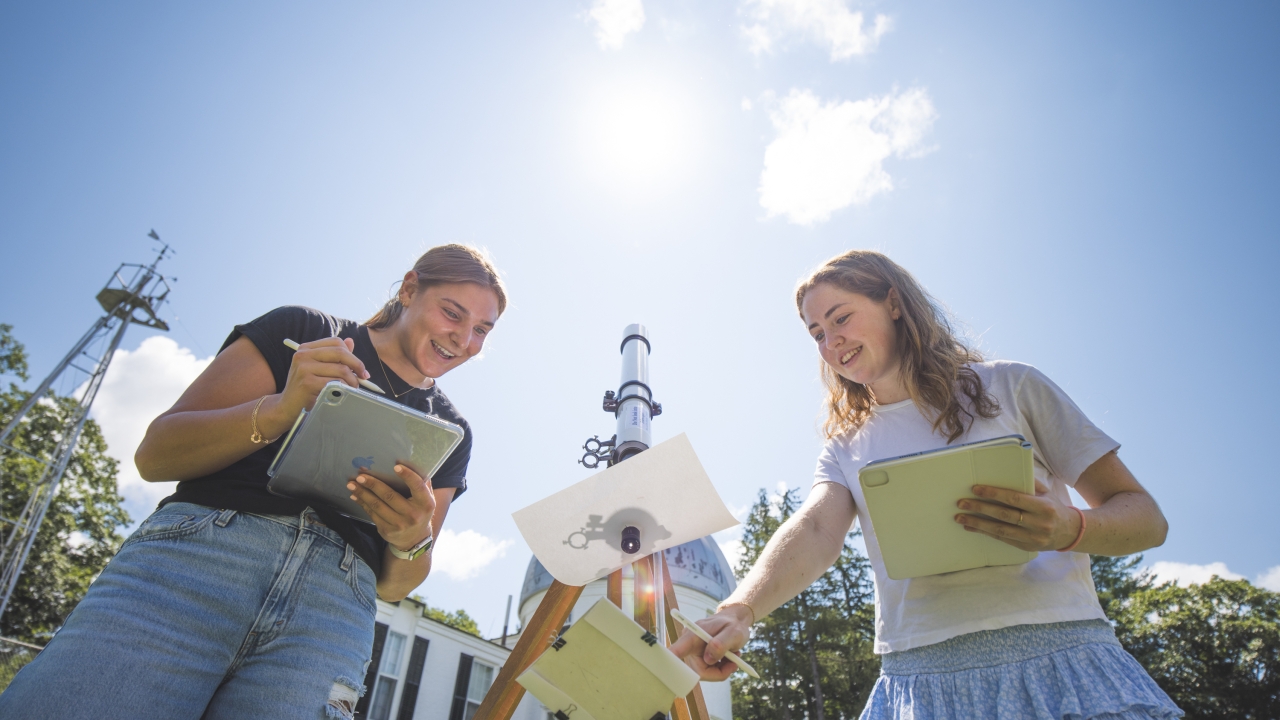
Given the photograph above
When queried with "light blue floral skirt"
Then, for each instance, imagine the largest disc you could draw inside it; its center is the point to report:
(1056, 671)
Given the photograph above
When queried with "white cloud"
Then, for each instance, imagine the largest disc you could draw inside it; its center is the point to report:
(1185, 574)
(614, 20)
(828, 155)
(829, 23)
(141, 384)
(462, 555)
(732, 550)
(1269, 579)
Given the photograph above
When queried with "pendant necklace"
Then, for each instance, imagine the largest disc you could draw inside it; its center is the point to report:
(391, 385)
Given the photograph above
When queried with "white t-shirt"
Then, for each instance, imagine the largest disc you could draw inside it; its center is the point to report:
(1054, 587)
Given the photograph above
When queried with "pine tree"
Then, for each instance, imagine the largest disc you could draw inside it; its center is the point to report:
(814, 653)
(80, 532)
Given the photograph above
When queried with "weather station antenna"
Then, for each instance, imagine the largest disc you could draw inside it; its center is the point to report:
(132, 296)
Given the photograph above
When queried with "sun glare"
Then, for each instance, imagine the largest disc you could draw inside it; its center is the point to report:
(639, 133)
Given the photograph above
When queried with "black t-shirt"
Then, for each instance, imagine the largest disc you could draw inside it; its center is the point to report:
(243, 484)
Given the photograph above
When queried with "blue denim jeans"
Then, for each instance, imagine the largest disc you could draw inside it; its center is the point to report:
(208, 613)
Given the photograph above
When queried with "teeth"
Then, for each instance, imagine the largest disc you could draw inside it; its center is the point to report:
(845, 358)
(441, 350)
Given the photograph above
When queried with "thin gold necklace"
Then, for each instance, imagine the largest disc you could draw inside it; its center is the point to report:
(395, 395)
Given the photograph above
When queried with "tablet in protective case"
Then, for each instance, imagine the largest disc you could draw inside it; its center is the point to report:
(350, 430)
(912, 503)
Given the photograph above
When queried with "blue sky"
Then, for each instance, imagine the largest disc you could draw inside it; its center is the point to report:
(1085, 185)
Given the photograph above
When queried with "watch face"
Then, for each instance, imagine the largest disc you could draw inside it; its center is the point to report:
(417, 551)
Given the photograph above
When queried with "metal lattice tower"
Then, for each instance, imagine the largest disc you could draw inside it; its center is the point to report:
(126, 302)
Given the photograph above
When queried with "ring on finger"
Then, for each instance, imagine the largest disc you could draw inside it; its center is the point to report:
(1019, 518)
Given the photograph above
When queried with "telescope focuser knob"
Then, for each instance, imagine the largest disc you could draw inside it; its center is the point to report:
(610, 401)
(657, 409)
(630, 540)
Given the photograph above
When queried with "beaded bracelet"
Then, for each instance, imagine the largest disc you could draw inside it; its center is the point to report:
(1079, 535)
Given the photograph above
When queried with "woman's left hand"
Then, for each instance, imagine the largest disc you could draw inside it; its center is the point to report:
(1028, 522)
(402, 522)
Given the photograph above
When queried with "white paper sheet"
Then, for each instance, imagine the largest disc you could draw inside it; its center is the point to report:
(577, 533)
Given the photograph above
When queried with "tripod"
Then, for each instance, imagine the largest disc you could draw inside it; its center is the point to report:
(655, 596)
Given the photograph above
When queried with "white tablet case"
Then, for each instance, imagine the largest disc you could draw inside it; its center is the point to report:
(347, 430)
(912, 504)
(606, 667)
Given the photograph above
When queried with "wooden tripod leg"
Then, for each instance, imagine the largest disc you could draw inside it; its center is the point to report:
(645, 594)
(543, 629)
(693, 706)
(613, 589)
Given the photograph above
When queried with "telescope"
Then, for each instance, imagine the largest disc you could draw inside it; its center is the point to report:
(632, 405)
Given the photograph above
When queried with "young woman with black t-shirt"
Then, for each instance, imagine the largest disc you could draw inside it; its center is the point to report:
(231, 602)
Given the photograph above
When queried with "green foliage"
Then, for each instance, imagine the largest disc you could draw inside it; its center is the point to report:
(458, 619)
(814, 653)
(13, 357)
(1214, 648)
(1117, 579)
(80, 532)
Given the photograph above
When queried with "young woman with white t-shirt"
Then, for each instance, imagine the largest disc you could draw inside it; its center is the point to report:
(1019, 641)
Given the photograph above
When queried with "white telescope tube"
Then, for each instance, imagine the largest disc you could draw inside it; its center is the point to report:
(635, 399)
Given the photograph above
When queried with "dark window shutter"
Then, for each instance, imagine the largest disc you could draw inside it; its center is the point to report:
(412, 679)
(379, 639)
(460, 688)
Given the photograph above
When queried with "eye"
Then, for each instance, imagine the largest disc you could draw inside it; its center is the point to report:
(840, 320)
(481, 330)
(818, 336)
(452, 315)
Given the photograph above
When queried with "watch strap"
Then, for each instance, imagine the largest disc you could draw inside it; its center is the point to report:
(414, 552)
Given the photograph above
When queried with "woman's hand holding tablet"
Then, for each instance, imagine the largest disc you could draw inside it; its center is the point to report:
(402, 521)
(1027, 522)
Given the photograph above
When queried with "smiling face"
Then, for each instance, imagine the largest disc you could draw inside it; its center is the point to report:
(857, 337)
(444, 325)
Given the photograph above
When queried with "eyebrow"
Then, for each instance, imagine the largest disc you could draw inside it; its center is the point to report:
(824, 317)
(465, 311)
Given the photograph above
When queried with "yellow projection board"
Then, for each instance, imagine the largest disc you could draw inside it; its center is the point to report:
(606, 667)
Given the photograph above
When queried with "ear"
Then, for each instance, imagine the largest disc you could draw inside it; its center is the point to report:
(895, 303)
(408, 288)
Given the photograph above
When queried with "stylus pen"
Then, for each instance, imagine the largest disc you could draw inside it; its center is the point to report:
(706, 637)
(363, 383)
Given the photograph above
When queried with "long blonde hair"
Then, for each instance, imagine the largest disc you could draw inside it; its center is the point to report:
(445, 264)
(934, 361)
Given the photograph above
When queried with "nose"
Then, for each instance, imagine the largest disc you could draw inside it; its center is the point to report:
(464, 338)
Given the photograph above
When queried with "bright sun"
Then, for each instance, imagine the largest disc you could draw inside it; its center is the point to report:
(639, 132)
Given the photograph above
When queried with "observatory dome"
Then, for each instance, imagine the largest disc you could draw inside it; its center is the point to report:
(697, 565)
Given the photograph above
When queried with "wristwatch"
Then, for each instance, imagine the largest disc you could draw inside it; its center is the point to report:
(414, 552)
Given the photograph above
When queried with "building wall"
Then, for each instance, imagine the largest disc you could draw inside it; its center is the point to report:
(440, 666)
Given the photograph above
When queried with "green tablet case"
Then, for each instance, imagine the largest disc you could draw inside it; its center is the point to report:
(912, 504)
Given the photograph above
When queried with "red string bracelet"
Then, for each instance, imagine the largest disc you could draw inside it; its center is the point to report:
(1079, 535)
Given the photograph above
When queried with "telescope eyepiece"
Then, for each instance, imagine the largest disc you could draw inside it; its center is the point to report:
(630, 540)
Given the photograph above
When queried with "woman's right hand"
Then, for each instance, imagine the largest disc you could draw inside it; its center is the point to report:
(314, 365)
(729, 628)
